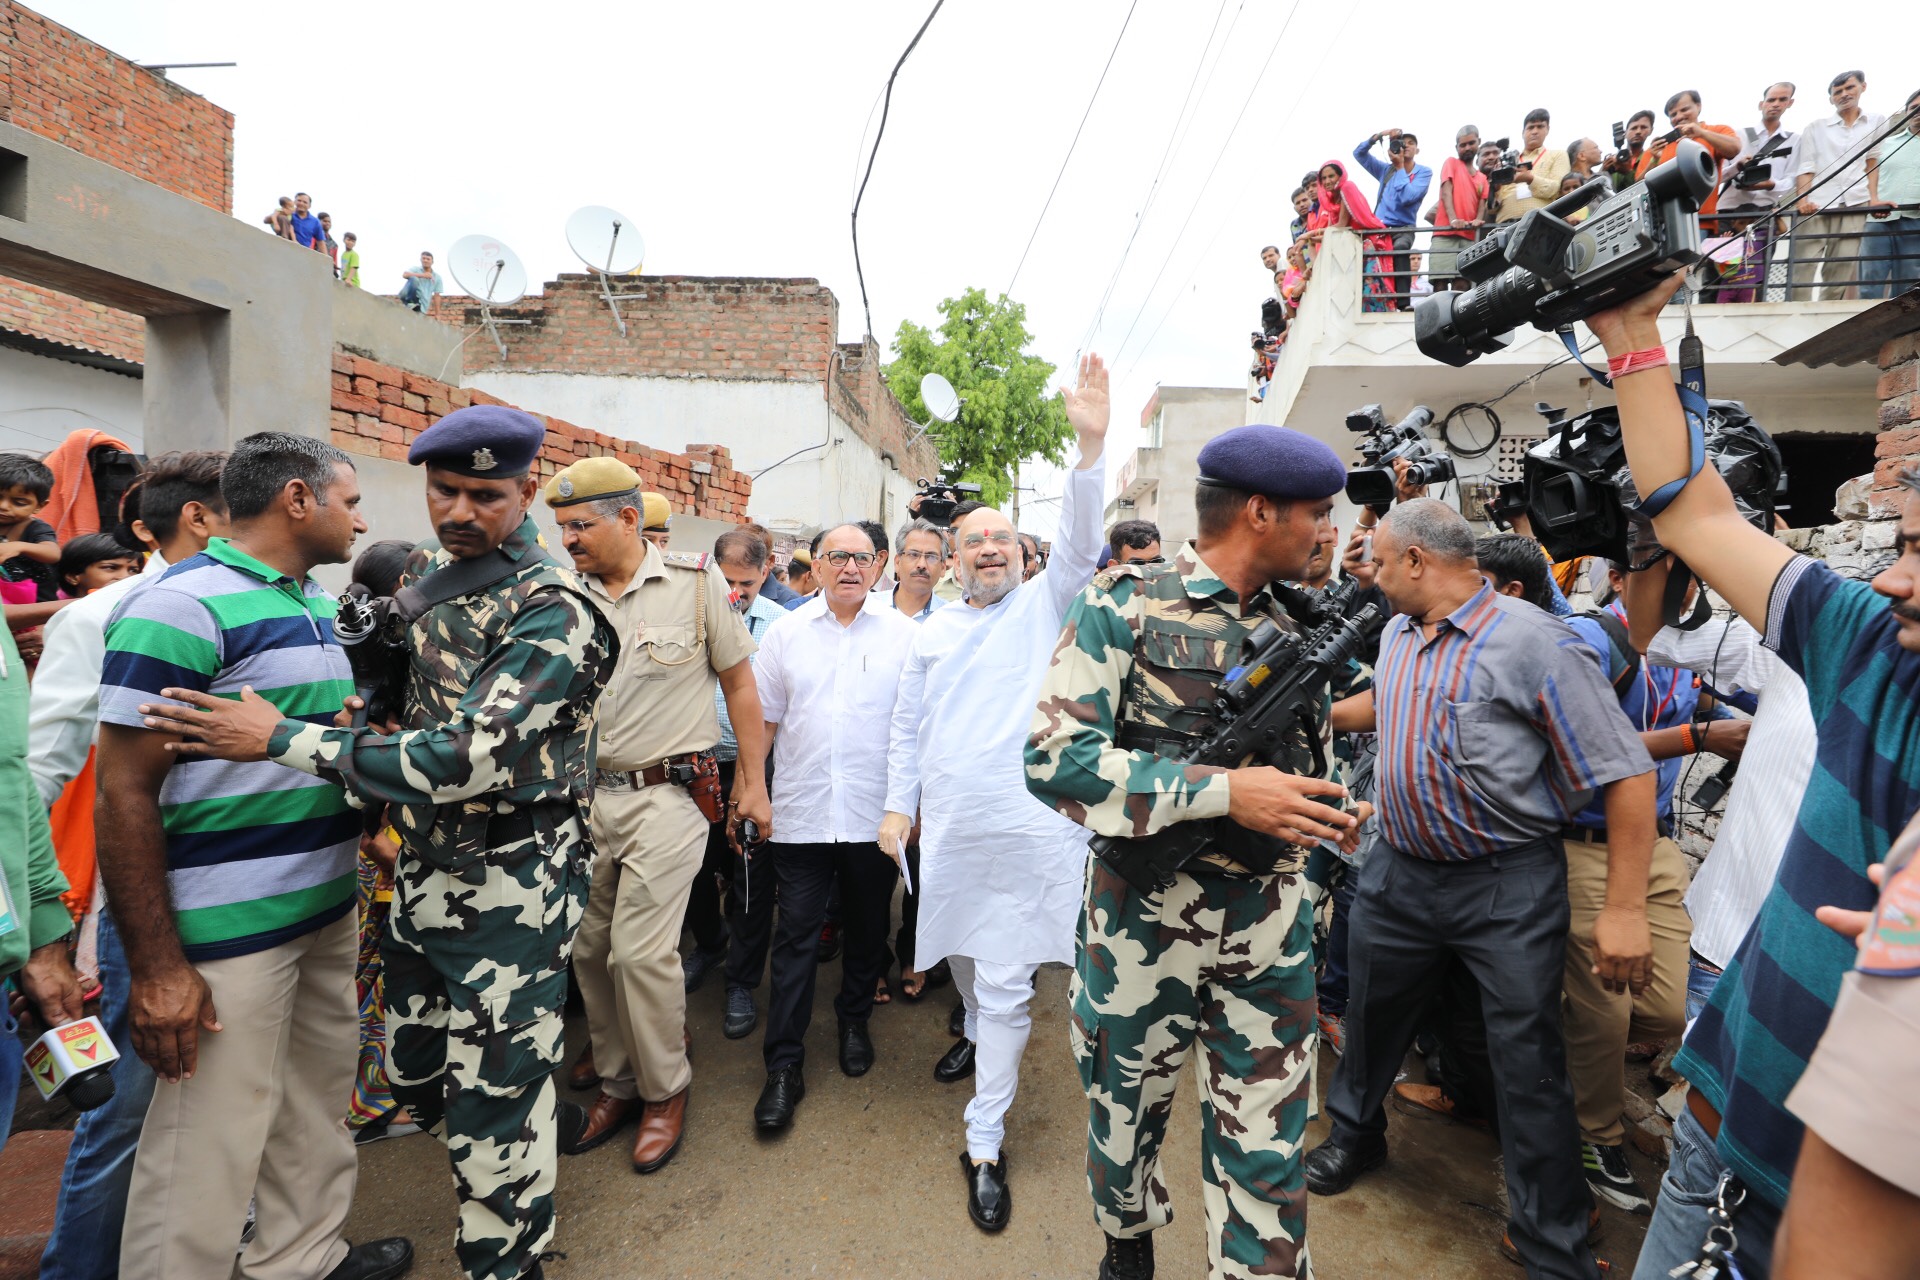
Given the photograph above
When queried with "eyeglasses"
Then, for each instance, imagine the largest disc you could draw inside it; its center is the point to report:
(581, 526)
(1002, 539)
(924, 557)
(838, 559)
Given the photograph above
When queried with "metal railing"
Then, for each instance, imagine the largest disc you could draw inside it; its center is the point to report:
(1752, 256)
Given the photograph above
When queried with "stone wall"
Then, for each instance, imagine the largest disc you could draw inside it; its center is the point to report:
(62, 86)
(378, 410)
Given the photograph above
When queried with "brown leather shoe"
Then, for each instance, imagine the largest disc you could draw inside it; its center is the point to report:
(604, 1119)
(582, 1075)
(662, 1125)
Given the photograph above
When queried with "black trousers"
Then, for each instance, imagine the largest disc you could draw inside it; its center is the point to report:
(1505, 918)
(805, 874)
(1402, 268)
(750, 902)
(909, 913)
(705, 918)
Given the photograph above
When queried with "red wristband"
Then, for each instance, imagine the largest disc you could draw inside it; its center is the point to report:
(1637, 362)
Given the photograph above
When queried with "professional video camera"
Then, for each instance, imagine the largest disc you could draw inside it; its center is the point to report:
(1382, 445)
(1548, 272)
(1578, 487)
(374, 636)
(938, 499)
(1498, 501)
(1509, 164)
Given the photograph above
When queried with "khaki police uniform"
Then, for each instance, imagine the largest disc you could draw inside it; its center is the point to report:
(676, 632)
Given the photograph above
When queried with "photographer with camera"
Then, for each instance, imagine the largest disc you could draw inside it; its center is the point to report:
(1537, 170)
(1683, 113)
(1623, 164)
(1860, 659)
(1403, 185)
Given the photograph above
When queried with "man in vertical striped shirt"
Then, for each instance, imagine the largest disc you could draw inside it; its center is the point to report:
(1496, 725)
(232, 884)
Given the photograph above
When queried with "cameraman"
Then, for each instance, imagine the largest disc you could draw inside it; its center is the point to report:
(1625, 164)
(1858, 658)
(1683, 113)
(1403, 185)
(1537, 172)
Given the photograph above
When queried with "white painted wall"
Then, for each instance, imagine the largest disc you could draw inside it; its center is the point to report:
(836, 475)
(43, 400)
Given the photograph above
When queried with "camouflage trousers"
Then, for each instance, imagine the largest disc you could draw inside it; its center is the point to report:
(476, 977)
(1226, 960)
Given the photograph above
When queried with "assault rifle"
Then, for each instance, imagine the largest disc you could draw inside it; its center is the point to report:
(1277, 688)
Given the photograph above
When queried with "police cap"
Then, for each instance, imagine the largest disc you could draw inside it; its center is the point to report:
(487, 441)
(1276, 461)
(591, 479)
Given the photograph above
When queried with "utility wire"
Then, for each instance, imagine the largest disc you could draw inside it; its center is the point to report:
(1208, 181)
(1174, 138)
(1070, 146)
(880, 133)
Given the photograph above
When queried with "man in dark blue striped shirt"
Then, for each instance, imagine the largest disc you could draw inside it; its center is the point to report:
(1496, 725)
(1858, 656)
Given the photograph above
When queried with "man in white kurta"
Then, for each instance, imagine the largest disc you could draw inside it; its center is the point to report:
(1001, 872)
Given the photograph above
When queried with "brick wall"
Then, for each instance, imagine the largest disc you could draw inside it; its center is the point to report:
(378, 410)
(60, 85)
(56, 83)
(1899, 444)
(727, 327)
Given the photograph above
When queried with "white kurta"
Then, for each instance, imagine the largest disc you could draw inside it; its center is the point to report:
(1000, 872)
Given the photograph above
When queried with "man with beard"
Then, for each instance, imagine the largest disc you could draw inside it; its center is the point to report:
(1001, 871)
(487, 784)
(1222, 956)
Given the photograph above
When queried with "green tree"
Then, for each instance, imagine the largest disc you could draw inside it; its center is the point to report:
(1007, 410)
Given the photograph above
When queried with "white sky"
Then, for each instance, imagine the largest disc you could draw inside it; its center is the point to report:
(731, 133)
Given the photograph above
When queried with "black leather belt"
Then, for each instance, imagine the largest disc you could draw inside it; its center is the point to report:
(1598, 835)
(511, 828)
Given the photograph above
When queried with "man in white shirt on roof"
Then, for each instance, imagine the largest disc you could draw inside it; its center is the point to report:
(1001, 871)
(1830, 173)
(827, 673)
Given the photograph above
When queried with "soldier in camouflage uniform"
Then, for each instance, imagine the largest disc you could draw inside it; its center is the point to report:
(488, 784)
(1224, 954)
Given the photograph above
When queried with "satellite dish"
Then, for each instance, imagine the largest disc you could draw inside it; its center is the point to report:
(489, 271)
(609, 244)
(492, 275)
(606, 240)
(942, 401)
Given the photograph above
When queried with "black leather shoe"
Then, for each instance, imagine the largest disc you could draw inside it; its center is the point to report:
(956, 1063)
(1331, 1170)
(784, 1090)
(856, 1048)
(957, 1021)
(1128, 1259)
(375, 1260)
(989, 1203)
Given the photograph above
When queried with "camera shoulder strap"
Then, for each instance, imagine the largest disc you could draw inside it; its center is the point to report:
(459, 578)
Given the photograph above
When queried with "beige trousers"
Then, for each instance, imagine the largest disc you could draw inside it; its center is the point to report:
(1840, 238)
(1598, 1024)
(264, 1115)
(626, 957)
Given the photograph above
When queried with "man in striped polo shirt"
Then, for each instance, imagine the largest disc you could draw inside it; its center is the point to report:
(232, 885)
(1495, 725)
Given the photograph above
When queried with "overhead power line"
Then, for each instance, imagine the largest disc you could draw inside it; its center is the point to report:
(885, 105)
(1070, 146)
(1175, 138)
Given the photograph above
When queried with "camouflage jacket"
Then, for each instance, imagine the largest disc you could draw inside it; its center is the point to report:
(501, 687)
(1144, 645)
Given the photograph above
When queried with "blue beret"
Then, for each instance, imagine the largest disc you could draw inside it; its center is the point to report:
(488, 441)
(1276, 461)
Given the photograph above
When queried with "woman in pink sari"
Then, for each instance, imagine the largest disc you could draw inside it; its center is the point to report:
(1342, 205)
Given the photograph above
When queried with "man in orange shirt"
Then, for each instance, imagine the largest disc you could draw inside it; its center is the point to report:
(1683, 113)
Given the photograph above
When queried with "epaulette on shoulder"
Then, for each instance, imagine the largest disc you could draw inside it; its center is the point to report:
(687, 559)
(1107, 577)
